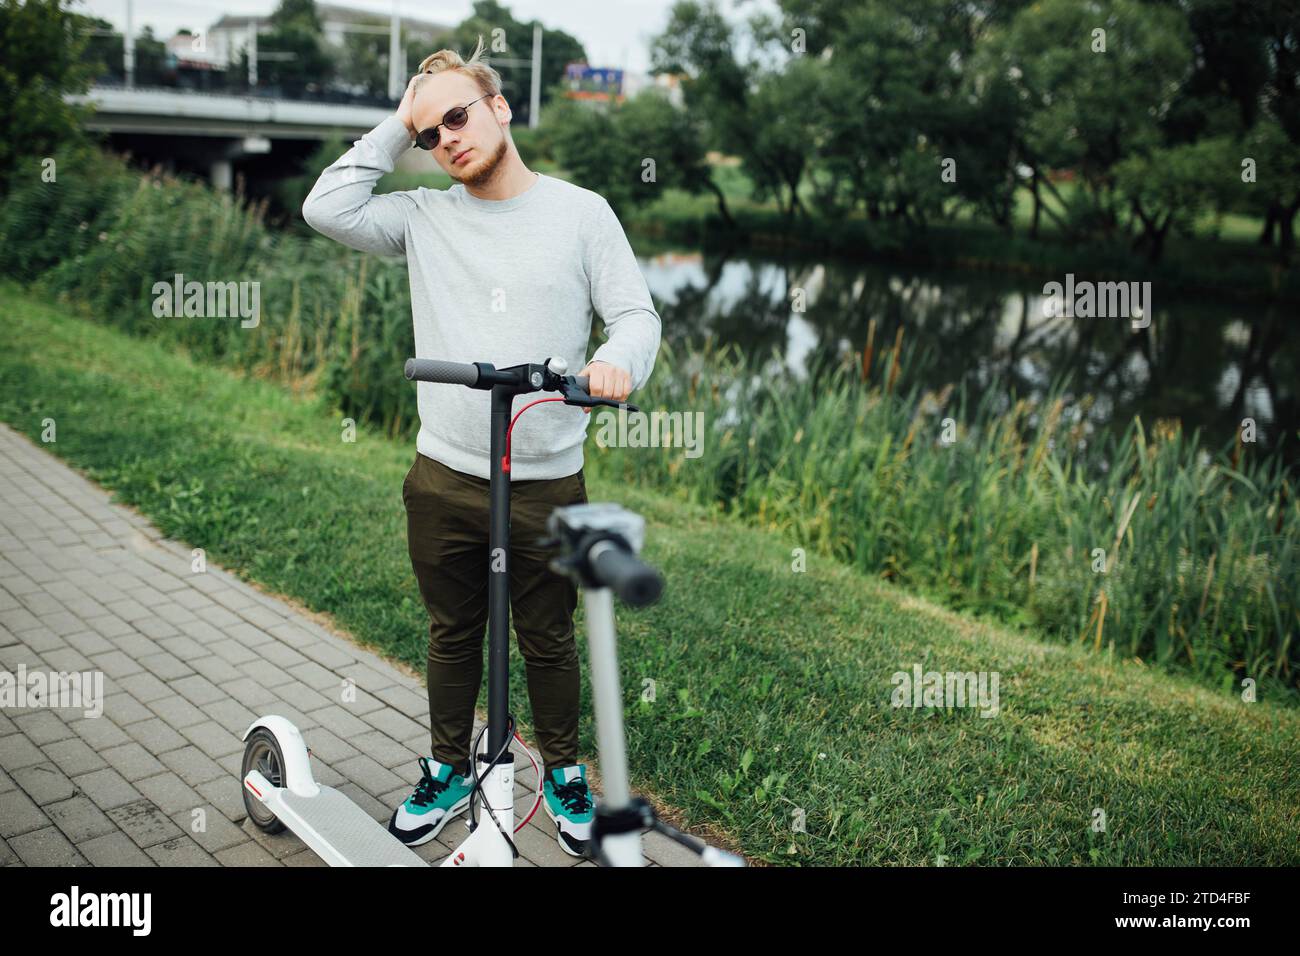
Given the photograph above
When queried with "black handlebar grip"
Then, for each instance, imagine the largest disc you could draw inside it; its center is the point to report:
(583, 382)
(436, 370)
(631, 578)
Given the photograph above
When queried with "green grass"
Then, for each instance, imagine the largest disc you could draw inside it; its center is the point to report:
(772, 687)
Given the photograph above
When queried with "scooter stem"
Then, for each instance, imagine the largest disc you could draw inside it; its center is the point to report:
(498, 579)
(620, 849)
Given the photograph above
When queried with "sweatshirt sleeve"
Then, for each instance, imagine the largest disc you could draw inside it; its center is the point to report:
(620, 297)
(342, 206)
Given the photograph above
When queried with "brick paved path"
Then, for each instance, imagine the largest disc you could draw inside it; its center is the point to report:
(188, 661)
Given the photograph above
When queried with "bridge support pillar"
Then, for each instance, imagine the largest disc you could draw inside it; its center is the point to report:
(222, 173)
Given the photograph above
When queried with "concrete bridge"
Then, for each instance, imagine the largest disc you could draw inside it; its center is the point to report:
(213, 133)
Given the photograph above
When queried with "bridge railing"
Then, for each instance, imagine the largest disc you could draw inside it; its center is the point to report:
(223, 87)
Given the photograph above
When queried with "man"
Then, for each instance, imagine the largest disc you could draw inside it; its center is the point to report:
(506, 266)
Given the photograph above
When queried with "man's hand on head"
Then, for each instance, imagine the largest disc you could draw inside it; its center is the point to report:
(404, 108)
(607, 381)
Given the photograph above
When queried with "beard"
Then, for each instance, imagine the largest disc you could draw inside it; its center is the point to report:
(481, 171)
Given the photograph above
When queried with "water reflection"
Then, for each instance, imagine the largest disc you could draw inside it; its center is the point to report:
(1209, 363)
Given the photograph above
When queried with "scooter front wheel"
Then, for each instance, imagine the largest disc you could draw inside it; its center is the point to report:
(262, 753)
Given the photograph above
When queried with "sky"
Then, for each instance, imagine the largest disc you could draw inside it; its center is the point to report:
(616, 33)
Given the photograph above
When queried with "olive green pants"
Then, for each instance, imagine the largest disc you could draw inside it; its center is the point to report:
(447, 537)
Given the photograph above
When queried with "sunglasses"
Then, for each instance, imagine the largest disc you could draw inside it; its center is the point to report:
(454, 118)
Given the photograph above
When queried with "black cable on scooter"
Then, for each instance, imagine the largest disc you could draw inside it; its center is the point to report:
(474, 790)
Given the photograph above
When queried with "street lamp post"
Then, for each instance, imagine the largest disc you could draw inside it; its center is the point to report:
(535, 94)
(396, 64)
(128, 47)
(535, 97)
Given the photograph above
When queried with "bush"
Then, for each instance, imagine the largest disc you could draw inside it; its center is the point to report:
(103, 235)
(44, 223)
(42, 47)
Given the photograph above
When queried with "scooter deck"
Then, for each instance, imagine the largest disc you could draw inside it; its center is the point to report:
(352, 837)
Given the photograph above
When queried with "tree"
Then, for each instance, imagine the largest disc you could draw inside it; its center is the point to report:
(1274, 188)
(507, 38)
(899, 107)
(631, 154)
(1171, 186)
(743, 116)
(299, 59)
(674, 139)
(1093, 98)
(784, 135)
(364, 62)
(1277, 23)
(151, 67)
(698, 42)
(103, 51)
(42, 46)
(589, 149)
(103, 57)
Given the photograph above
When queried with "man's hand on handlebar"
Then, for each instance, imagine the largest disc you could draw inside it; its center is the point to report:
(607, 381)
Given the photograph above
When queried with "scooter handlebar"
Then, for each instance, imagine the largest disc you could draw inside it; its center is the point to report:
(436, 370)
(632, 579)
(459, 373)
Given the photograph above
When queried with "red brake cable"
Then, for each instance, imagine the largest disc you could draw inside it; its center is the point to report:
(505, 459)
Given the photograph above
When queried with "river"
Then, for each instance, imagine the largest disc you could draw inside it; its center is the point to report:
(1211, 363)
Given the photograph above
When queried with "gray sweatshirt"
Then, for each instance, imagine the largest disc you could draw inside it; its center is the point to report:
(502, 281)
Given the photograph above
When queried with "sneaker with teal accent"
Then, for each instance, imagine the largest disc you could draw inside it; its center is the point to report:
(569, 802)
(440, 795)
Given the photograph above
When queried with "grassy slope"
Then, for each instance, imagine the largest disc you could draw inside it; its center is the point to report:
(772, 687)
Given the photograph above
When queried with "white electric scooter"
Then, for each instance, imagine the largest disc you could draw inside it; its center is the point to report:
(599, 545)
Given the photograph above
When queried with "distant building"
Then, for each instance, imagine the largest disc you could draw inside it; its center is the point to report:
(600, 84)
(335, 20)
(670, 84)
(193, 51)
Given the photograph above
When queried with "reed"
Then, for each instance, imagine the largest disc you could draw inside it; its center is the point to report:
(1021, 509)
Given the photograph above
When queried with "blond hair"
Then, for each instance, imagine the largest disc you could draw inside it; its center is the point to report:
(488, 80)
